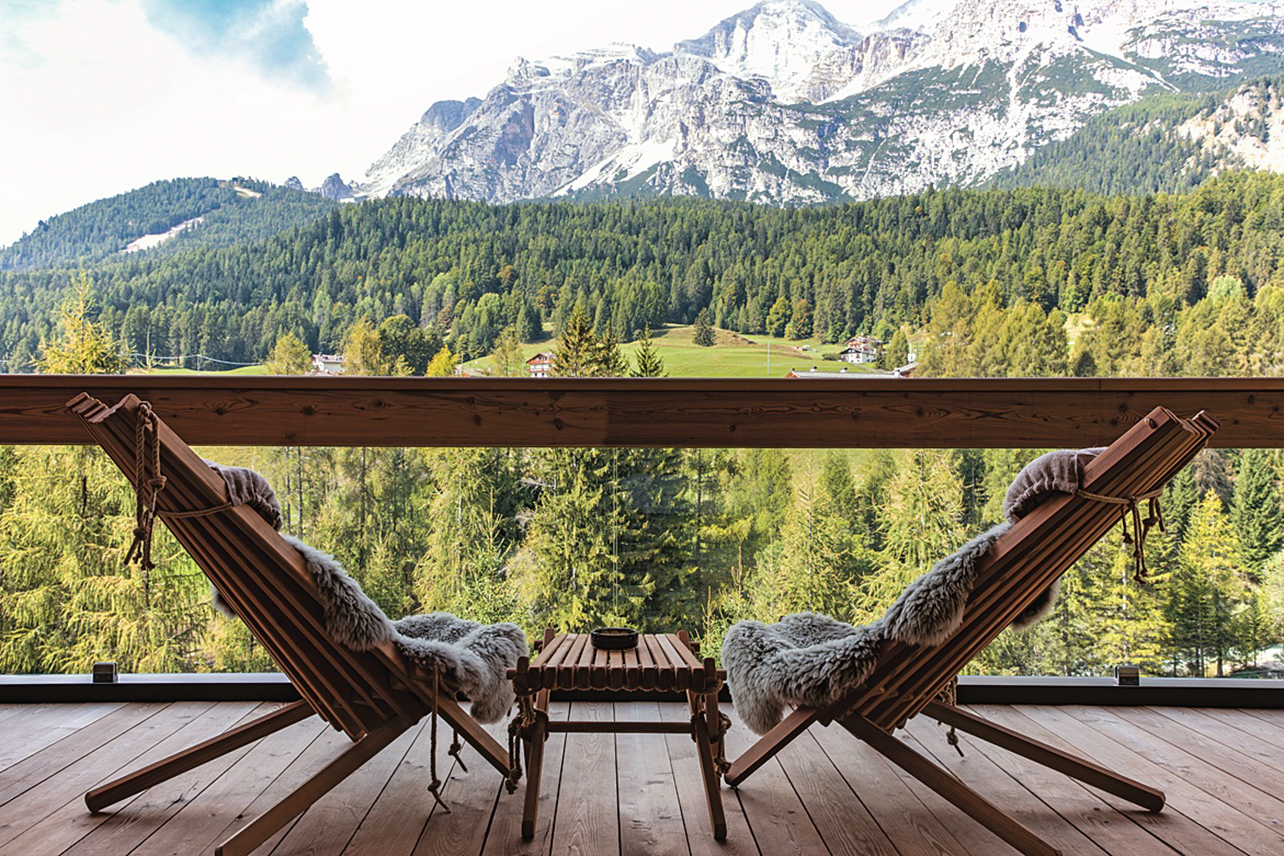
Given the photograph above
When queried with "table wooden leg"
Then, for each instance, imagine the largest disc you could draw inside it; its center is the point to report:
(704, 747)
(534, 767)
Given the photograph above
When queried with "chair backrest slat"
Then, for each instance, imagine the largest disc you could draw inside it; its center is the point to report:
(1025, 561)
(265, 581)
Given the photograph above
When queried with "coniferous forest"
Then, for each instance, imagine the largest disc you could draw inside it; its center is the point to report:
(987, 283)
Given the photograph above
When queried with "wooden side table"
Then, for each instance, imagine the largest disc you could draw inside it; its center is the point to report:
(661, 661)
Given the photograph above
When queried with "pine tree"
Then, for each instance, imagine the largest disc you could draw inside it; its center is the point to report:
(704, 336)
(83, 346)
(1130, 620)
(443, 364)
(576, 352)
(469, 539)
(647, 361)
(919, 518)
(822, 558)
(608, 361)
(507, 356)
(289, 357)
(363, 353)
(1204, 590)
(566, 573)
(1255, 510)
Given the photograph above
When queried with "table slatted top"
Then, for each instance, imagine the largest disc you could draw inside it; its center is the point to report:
(661, 661)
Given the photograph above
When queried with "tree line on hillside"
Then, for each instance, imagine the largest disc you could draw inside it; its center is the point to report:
(650, 538)
(234, 211)
(1137, 148)
(467, 271)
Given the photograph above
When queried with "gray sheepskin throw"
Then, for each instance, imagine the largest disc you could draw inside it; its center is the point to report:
(474, 657)
(246, 487)
(813, 660)
(1055, 472)
(1060, 471)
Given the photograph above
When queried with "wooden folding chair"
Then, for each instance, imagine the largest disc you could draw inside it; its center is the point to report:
(372, 696)
(908, 679)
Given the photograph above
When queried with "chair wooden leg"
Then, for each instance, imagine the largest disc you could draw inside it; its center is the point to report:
(1049, 756)
(966, 799)
(534, 769)
(263, 827)
(769, 744)
(191, 758)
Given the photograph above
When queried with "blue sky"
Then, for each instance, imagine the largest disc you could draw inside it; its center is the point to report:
(98, 97)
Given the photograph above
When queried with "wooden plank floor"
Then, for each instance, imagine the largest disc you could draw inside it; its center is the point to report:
(1223, 771)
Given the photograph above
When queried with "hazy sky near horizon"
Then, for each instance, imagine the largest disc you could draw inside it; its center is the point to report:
(98, 97)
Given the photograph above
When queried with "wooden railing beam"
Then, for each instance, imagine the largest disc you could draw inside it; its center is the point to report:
(867, 412)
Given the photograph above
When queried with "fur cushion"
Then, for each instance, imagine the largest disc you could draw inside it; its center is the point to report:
(1059, 471)
(813, 660)
(1054, 472)
(473, 657)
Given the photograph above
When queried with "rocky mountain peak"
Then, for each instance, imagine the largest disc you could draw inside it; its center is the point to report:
(780, 41)
(334, 187)
(783, 103)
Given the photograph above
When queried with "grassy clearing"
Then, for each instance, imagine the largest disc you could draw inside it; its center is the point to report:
(174, 370)
(732, 354)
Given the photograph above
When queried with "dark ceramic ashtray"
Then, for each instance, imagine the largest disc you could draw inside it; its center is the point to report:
(614, 638)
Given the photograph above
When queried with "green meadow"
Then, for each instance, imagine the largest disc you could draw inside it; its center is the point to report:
(732, 355)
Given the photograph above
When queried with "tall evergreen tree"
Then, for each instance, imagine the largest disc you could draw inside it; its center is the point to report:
(1255, 510)
(703, 329)
(289, 357)
(576, 352)
(647, 361)
(1205, 590)
(83, 345)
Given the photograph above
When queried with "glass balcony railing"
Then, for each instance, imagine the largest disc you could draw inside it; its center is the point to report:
(658, 503)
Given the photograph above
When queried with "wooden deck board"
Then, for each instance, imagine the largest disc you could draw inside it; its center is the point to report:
(835, 808)
(587, 810)
(1087, 809)
(777, 817)
(125, 826)
(976, 769)
(634, 794)
(1185, 824)
(652, 822)
(685, 765)
(910, 825)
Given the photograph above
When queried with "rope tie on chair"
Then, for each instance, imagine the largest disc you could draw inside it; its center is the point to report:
(514, 754)
(519, 727)
(434, 786)
(720, 762)
(949, 695)
(149, 481)
(456, 746)
(1140, 526)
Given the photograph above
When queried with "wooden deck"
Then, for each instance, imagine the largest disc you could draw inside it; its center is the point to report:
(1223, 771)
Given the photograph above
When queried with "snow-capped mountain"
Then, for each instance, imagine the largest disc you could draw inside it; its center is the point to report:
(783, 103)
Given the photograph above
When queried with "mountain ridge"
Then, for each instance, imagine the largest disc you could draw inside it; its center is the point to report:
(784, 104)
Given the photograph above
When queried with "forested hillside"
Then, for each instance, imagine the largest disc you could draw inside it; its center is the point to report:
(1156, 145)
(983, 282)
(468, 270)
(650, 538)
(1132, 149)
(232, 212)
